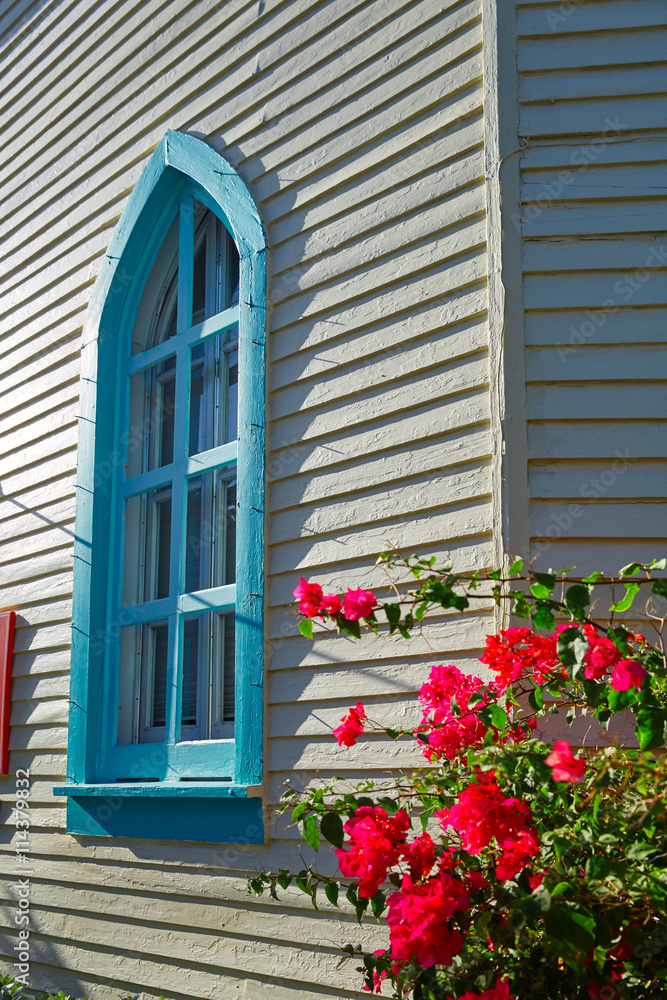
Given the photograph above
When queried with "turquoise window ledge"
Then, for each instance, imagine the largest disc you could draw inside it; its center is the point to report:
(206, 812)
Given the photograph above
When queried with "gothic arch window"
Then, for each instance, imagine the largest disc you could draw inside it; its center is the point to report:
(168, 605)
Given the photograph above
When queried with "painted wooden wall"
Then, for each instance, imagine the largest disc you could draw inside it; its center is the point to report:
(592, 92)
(358, 127)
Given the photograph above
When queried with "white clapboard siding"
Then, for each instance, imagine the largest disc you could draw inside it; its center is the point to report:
(359, 128)
(592, 92)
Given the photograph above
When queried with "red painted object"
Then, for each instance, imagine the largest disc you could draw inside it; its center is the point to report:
(7, 622)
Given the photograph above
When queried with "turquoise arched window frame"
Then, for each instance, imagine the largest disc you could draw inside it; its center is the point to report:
(129, 790)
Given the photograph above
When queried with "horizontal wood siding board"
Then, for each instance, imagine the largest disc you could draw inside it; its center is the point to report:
(595, 284)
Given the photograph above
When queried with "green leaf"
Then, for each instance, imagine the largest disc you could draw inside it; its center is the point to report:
(299, 811)
(331, 892)
(393, 734)
(572, 647)
(631, 591)
(393, 612)
(659, 587)
(650, 727)
(536, 699)
(421, 610)
(561, 888)
(593, 578)
(498, 717)
(639, 852)
(619, 700)
(570, 928)
(547, 580)
(495, 574)
(543, 617)
(516, 567)
(538, 903)
(360, 908)
(577, 598)
(306, 628)
(539, 590)
(350, 628)
(331, 828)
(284, 880)
(302, 882)
(378, 903)
(309, 832)
(631, 569)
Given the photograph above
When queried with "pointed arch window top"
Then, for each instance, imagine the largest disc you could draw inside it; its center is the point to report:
(178, 160)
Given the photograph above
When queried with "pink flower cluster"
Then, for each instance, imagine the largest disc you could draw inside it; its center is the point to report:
(603, 654)
(352, 726)
(375, 840)
(419, 919)
(517, 652)
(449, 734)
(483, 813)
(313, 601)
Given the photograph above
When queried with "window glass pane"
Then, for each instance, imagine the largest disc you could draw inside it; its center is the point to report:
(202, 397)
(143, 683)
(199, 279)
(129, 681)
(189, 697)
(227, 667)
(210, 559)
(207, 701)
(147, 554)
(156, 315)
(150, 433)
(154, 663)
(232, 393)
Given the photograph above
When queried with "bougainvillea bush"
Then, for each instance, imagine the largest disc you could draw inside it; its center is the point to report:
(507, 868)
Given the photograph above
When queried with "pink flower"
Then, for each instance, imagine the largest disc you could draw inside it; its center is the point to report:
(352, 726)
(627, 674)
(358, 604)
(535, 881)
(474, 880)
(420, 855)
(602, 653)
(332, 604)
(565, 766)
(309, 596)
(374, 846)
(518, 851)
(418, 919)
(500, 991)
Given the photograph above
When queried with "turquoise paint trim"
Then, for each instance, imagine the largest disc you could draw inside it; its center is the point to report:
(169, 762)
(180, 163)
(204, 820)
(209, 328)
(215, 599)
(214, 458)
(160, 790)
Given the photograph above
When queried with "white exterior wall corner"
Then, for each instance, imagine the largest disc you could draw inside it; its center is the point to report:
(379, 139)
